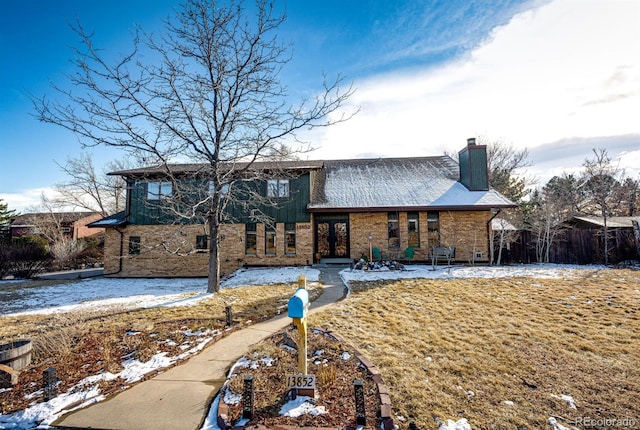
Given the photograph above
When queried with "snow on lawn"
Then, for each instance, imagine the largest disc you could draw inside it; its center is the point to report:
(87, 392)
(461, 272)
(129, 293)
(99, 293)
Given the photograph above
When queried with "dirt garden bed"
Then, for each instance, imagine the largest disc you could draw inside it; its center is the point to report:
(335, 364)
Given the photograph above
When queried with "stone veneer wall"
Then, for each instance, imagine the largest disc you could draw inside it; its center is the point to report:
(167, 251)
(466, 230)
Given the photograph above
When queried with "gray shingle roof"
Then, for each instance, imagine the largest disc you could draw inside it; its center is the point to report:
(393, 183)
(612, 222)
(197, 168)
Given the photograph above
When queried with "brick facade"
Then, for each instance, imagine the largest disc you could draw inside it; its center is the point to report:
(465, 230)
(167, 251)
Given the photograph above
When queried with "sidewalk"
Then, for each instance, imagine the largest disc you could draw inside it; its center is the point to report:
(73, 274)
(179, 397)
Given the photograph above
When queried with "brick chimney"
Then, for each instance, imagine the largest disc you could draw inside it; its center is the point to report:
(473, 166)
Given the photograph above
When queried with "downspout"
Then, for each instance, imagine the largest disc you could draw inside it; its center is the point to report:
(489, 236)
(117, 228)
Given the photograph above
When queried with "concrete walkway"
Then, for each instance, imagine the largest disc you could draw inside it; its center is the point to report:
(72, 274)
(179, 397)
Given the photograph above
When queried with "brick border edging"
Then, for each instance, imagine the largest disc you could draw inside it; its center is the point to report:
(384, 412)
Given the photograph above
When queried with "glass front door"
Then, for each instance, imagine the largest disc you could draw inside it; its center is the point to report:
(332, 238)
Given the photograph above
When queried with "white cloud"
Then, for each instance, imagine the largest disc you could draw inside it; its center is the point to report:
(25, 200)
(568, 69)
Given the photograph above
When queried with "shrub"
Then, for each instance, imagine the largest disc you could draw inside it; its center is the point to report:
(27, 256)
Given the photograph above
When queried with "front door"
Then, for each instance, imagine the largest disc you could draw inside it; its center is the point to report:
(332, 238)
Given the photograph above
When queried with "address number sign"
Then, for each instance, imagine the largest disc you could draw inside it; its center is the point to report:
(301, 381)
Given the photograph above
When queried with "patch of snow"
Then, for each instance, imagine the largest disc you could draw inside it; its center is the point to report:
(211, 420)
(542, 271)
(570, 402)
(345, 356)
(242, 422)
(318, 353)
(509, 403)
(455, 425)
(555, 425)
(269, 276)
(300, 406)
(86, 392)
(268, 361)
(130, 293)
(230, 398)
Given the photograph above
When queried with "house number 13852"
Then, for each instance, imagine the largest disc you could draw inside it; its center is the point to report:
(301, 381)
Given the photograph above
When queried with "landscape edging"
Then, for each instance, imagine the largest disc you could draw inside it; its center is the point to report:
(384, 412)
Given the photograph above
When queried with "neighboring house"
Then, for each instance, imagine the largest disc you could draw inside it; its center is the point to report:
(333, 210)
(71, 224)
(590, 222)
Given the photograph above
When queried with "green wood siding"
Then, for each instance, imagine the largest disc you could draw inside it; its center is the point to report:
(291, 209)
(282, 210)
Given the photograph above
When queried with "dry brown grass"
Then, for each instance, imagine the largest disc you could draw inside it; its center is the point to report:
(248, 304)
(447, 349)
(450, 349)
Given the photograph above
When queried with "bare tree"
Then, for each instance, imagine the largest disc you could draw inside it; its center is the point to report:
(627, 197)
(207, 90)
(49, 221)
(561, 198)
(505, 164)
(601, 182)
(88, 189)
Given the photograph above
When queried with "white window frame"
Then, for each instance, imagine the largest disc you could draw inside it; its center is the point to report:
(159, 190)
(278, 188)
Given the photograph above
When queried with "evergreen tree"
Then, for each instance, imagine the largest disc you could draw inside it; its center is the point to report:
(6, 215)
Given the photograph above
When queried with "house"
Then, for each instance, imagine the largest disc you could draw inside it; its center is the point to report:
(324, 210)
(72, 225)
(591, 222)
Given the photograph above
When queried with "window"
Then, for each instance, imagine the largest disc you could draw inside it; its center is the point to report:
(277, 188)
(134, 244)
(270, 242)
(433, 228)
(394, 231)
(413, 228)
(223, 191)
(251, 239)
(202, 243)
(159, 190)
(290, 238)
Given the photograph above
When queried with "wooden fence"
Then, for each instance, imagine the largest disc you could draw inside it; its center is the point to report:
(575, 247)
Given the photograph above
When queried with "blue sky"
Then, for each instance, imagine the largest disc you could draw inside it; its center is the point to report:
(558, 77)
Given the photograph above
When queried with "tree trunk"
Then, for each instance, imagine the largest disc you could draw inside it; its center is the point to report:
(547, 241)
(213, 284)
(606, 238)
(491, 247)
(499, 262)
(636, 234)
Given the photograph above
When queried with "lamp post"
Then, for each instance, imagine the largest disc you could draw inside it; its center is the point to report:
(370, 248)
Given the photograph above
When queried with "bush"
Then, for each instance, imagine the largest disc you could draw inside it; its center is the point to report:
(5, 259)
(26, 256)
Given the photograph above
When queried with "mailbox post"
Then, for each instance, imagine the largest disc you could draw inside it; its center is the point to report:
(298, 308)
(303, 383)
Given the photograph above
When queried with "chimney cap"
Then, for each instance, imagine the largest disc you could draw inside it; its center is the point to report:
(471, 141)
